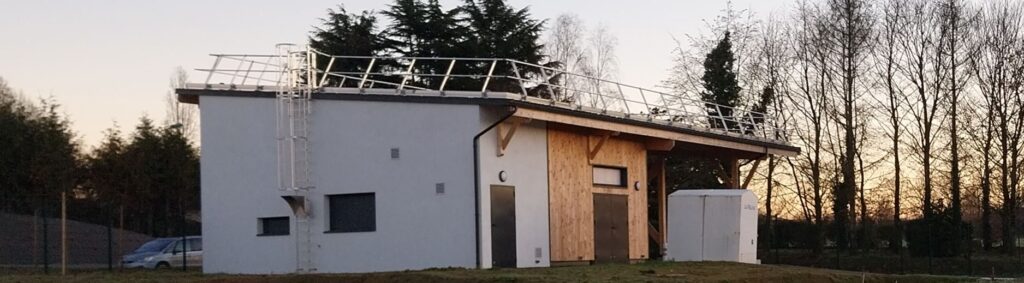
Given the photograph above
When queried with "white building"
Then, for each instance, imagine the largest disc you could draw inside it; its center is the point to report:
(376, 167)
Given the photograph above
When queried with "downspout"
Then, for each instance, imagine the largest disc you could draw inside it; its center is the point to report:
(476, 177)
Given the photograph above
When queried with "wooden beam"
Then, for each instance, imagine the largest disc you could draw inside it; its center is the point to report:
(602, 138)
(505, 137)
(649, 132)
(660, 144)
(662, 203)
(750, 173)
(655, 235)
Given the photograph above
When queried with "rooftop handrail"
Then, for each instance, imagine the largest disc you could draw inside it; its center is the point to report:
(531, 80)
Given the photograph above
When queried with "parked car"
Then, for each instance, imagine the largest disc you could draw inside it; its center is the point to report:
(166, 253)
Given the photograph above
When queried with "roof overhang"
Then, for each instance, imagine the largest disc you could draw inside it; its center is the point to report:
(692, 142)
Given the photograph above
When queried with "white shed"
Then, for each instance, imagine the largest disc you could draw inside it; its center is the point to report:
(712, 225)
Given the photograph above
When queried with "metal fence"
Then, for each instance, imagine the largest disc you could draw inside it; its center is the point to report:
(485, 77)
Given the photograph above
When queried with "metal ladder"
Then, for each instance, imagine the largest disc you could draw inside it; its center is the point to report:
(293, 150)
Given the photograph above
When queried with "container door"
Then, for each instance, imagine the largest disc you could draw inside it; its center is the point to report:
(611, 228)
(503, 226)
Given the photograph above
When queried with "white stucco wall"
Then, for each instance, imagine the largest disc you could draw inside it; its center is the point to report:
(239, 180)
(416, 228)
(525, 161)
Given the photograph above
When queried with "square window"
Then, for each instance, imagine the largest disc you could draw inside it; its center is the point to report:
(610, 176)
(352, 212)
(274, 226)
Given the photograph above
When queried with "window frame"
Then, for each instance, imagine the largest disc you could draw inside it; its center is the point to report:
(331, 229)
(623, 176)
(261, 230)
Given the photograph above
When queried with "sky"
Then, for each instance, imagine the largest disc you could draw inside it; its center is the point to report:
(108, 62)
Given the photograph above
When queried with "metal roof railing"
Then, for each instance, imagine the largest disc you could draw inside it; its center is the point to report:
(438, 76)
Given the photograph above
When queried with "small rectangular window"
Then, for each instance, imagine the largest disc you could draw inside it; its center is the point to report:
(274, 226)
(352, 212)
(609, 176)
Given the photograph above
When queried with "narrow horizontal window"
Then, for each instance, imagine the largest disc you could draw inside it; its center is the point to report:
(274, 226)
(352, 212)
(609, 176)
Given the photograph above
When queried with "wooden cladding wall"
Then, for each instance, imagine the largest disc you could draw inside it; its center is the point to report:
(571, 194)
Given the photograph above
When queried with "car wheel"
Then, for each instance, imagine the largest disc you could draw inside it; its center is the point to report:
(163, 265)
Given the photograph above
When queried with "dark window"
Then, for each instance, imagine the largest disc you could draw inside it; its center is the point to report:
(352, 212)
(610, 176)
(274, 226)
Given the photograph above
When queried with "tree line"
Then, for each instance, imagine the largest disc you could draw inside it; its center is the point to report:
(908, 113)
(146, 181)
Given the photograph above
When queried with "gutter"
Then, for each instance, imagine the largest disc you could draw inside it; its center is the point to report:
(476, 177)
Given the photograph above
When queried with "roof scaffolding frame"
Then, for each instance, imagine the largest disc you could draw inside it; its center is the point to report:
(492, 78)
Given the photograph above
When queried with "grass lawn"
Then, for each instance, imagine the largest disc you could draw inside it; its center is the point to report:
(645, 272)
(980, 264)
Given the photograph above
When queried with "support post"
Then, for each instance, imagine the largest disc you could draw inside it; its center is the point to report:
(732, 173)
(110, 246)
(63, 233)
(662, 203)
(46, 239)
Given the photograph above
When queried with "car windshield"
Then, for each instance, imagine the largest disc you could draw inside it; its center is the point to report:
(154, 246)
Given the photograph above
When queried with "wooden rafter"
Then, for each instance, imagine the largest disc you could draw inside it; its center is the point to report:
(602, 137)
(750, 174)
(505, 135)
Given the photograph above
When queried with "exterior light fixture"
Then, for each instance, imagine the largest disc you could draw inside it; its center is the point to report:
(636, 185)
(502, 176)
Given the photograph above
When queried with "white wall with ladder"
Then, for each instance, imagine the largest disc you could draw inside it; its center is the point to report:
(294, 108)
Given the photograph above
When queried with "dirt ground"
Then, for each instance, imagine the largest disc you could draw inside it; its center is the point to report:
(645, 272)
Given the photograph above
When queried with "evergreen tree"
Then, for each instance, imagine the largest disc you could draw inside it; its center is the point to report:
(107, 178)
(40, 157)
(347, 34)
(421, 29)
(720, 84)
(500, 31)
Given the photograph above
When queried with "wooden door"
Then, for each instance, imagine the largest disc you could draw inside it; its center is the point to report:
(503, 226)
(611, 228)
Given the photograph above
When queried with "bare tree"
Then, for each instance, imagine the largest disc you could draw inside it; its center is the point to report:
(809, 98)
(919, 42)
(888, 55)
(850, 30)
(770, 69)
(602, 63)
(957, 20)
(566, 45)
(591, 54)
(999, 69)
(181, 114)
